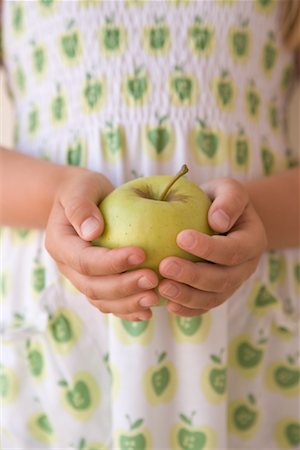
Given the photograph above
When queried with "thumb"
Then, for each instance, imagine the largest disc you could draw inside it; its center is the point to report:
(85, 217)
(230, 199)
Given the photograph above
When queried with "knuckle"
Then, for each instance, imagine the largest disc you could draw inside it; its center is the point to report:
(235, 258)
(88, 291)
(73, 207)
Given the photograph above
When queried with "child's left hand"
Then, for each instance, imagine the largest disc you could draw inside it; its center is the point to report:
(194, 288)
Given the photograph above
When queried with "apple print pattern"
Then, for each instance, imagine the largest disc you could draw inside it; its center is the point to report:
(136, 88)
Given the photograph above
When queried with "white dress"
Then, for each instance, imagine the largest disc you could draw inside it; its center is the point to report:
(130, 89)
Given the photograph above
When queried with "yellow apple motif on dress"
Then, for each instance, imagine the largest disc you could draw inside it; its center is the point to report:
(224, 91)
(81, 397)
(133, 332)
(39, 59)
(261, 300)
(213, 379)
(33, 121)
(187, 436)
(190, 329)
(283, 376)
(85, 445)
(76, 152)
(282, 331)
(277, 268)
(93, 93)
(136, 87)
(114, 374)
(240, 151)
(207, 144)
(157, 37)
(269, 54)
(239, 40)
(36, 359)
(113, 142)
(183, 87)
(135, 437)
(264, 6)
(58, 107)
(158, 140)
(47, 7)
(160, 381)
(246, 354)
(112, 38)
(287, 433)
(252, 101)
(244, 417)
(64, 329)
(201, 37)
(9, 384)
(70, 44)
(296, 272)
(40, 428)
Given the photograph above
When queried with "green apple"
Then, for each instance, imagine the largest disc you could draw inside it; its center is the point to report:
(36, 360)
(183, 87)
(224, 90)
(156, 38)
(243, 417)
(186, 436)
(9, 384)
(39, 59)
(252, 101)
(136, 438)
(277, 268)
(268, 159)
(47, 6)
(149, 212)
(287, 76)
(160, 381)
(247, 356)
(64, 328)
(20, 78)
(239, 150)
(201, 37)
(84, 445)
(136, 87)
(239, 39)
(273, 113)
(40, 428)
(297, 276)
(112, 38)
(159, 140)
(58, 107)
(70, 44)
(213, 380)
(283, 377)
(287, 433)
(76, 153)
(17, 17)
(261, 300)
(265, 6)
(269, 54)
(33, 120)
(113, 142)
(133, 332)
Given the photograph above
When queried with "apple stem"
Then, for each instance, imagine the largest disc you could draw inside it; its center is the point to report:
(184, 169)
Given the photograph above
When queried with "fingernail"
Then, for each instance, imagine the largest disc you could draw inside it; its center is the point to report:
(89, 226)
(174, 307)
(145, 315)
(133, 260)
(172, 269)
(145, 283)
(221, 219)
(186, 240)
(170, 290)
(147, 302)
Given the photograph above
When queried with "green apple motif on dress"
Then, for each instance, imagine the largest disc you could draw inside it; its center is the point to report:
(244, 417)
(201, 37)
(252, 101)
(76, 152)
(36, 360)
(287, 433)
(134, 438)
(70, 44)
(287, 76)
(190, 329)
(261, 300)
(183, 87)
(85, 445)
(136, 87)
(269, 54)
(17, 17)
(93, 93)
(114, 375)
(9, 384)
(58, 107)
(47, 7)
(112, 38)
(224, 91)
(159, 140)
(296, 273)
(187, 436)
(268, 158)
(273, 115)
(39, 59)
(157, 37)
(277, 268)
(64, 329)
(213, 379)
(113, 142)
(247, 355)
(40, 428)
(160, 381)
(33, 121)
(207, 143)
(264, 6)
(239, 40)
(283, 377)
(81, 397)
(19, 78)
(133, 332)
(239, 151)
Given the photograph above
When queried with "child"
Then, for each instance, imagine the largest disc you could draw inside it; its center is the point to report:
(105, 91)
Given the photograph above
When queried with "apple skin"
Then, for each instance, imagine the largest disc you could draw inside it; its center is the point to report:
(151, 224)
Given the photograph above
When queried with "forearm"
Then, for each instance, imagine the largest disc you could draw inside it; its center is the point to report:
(27, 188)
(277, 201)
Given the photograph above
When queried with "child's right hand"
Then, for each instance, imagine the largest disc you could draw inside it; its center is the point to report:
(99, 273)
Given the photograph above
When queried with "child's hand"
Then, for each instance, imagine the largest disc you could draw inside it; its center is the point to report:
(97, 272)
(195, 288)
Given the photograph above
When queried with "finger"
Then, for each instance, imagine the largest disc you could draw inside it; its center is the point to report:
(112, 286)
(190, 297)
(229, 201)
(180, 310)
(66, 247)
(244, 242)
(127, 306)
(205, 276)
(136, 317)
